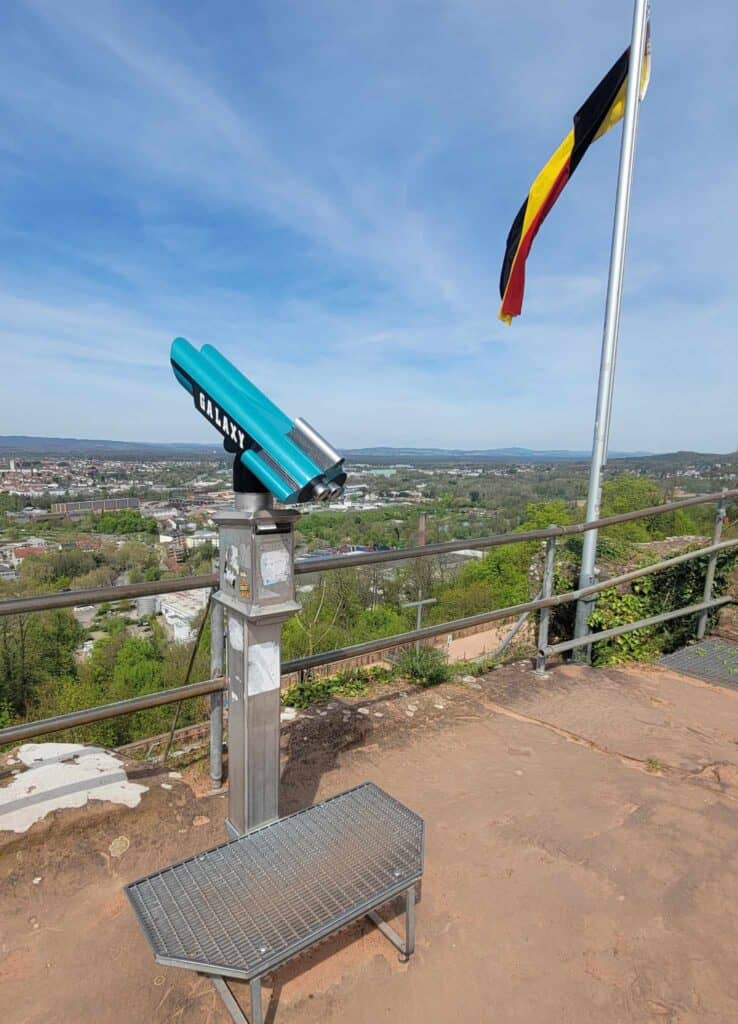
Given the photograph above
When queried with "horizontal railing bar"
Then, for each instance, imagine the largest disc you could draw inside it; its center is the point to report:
(498, 540)
(98, 595)
(654, 620)
(400, 639)
(73, 719)
(171, 696)
(428, 632)
(647, 570)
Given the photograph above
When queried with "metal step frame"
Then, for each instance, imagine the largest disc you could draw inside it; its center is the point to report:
(243, 908)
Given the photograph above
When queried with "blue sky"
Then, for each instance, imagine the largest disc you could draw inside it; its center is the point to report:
(323, 191)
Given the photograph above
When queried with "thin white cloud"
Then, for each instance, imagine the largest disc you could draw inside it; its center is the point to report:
(332, 209)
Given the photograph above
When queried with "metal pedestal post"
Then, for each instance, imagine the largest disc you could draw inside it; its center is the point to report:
(257, 593)
(253, 723)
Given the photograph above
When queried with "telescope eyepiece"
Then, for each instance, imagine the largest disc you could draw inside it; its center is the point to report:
(320, 491)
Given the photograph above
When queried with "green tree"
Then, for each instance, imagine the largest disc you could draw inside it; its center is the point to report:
(34, 648)
(125, 520)
(505, 572)
(628, 492)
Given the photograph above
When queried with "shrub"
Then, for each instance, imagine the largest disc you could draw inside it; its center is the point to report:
(614, 609)
(678, 586)
(425, 667)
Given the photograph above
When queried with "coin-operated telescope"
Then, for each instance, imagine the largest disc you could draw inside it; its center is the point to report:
(274, 457)
(288, 458)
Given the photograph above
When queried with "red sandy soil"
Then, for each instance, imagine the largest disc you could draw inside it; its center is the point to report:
(581, 865)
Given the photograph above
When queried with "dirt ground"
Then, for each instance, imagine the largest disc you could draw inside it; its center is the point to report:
(581, 865)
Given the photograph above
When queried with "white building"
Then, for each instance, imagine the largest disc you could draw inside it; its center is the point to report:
(180, 610)
(200, 537)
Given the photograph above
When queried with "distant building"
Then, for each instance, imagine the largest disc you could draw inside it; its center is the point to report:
(201, 537)
(73, 508)
(464, 555)
(89, 543)
(180, 610)
(26, 551)
(146, 605)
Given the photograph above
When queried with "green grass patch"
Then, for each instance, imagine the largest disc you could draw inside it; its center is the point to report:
(351, 682)
(426, 667)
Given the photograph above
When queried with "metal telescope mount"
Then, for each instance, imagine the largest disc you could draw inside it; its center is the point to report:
(274, 457)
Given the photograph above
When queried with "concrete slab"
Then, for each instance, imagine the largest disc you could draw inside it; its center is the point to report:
(61, 775)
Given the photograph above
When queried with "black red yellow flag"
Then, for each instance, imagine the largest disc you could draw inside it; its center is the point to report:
(597, 115)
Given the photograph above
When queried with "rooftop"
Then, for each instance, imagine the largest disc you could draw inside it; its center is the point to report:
(580, 863)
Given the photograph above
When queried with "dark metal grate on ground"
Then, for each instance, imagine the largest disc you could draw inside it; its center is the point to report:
(712, 659)
(246, 906)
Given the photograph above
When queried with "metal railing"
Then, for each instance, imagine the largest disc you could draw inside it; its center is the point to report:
(543, 603)
(101, 712)
(128, 591)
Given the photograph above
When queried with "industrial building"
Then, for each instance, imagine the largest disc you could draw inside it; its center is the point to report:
(72, 508)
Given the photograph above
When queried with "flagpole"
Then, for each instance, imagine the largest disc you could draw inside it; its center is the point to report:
(612, 308)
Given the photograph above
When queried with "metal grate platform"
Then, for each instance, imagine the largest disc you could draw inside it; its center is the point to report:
(712, 659)
(242, 908)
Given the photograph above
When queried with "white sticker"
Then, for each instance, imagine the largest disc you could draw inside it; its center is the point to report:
(275, 567)
(231, 566)
(235, 633)
(263, 667)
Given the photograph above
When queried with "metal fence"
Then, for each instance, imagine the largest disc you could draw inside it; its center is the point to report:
(542, 603)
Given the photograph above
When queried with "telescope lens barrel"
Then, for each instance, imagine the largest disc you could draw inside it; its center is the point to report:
(288, 458)
(322, 453)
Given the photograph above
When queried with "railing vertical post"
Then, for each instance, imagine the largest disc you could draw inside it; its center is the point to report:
(711, 564)
(216, 699)
(544, 616)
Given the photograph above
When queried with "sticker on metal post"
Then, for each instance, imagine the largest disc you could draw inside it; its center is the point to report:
(231, 565)
(263, 667)
(235, 633)
(275, 566)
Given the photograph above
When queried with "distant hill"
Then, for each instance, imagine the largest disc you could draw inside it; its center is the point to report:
(685, 459)
(20, 446)
(385, 454)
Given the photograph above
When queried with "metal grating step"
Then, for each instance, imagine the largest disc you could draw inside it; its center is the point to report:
(242, 908)
(712, 659)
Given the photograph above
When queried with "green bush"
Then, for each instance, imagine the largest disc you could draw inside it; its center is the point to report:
(614, 609)
(683, 585)
(124, 521)
(677, 587)
(425, 667)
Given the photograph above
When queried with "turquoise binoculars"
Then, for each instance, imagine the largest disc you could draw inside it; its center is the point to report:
(288, 458)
